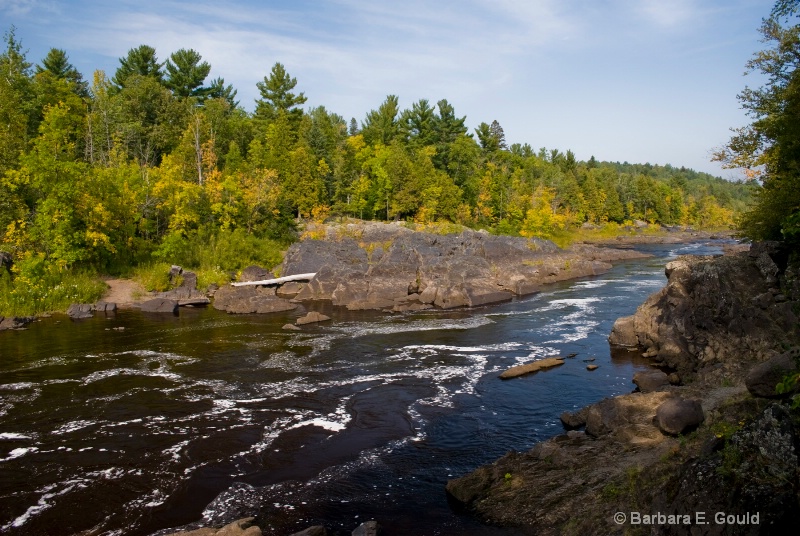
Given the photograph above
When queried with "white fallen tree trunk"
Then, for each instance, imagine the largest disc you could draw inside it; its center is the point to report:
(277, 281)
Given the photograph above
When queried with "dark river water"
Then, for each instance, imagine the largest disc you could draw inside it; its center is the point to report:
(211, 417)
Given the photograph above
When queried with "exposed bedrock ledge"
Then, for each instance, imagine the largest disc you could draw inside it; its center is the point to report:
(390, 267)
(716, 313)
(713, 443)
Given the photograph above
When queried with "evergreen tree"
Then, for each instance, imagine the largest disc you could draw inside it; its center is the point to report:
(499, 135)
(140, 61)
(277, 95)
(185, 74)
(354, 130)
(381, 125)
(57, 64)
(218, 90)
(417, 124)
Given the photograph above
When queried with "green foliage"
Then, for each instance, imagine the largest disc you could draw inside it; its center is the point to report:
(36, 286)
(769, 147)
(216, 249)
(153, 276)
(140, 61)
(153, 165)
(277, 95)
(185, 74)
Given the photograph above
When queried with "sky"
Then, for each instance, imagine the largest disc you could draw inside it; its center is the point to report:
(621, 80)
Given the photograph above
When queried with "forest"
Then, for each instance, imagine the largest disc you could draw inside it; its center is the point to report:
(157, 164)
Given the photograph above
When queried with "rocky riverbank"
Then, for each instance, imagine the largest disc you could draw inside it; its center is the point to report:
(390, 267)
(702, 433)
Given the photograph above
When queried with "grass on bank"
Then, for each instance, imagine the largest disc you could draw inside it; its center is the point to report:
(36, 286)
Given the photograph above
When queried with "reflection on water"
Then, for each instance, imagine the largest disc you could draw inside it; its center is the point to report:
(214, 416)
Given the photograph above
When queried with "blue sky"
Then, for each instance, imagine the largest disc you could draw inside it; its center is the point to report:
(637, 80)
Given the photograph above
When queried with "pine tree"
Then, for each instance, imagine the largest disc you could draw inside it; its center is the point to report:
(140, 61)
(277, 95)
(185, 74)
(57, 64)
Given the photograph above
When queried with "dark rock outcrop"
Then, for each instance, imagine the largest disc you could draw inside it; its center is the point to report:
(79, 311)
(718, 311)
(384, 266)
(714, 321)
(6, 260)
(160, 305)
(572, 420)
(250, 299)
(754, 473)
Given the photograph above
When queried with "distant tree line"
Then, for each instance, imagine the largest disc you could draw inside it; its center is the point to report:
(109, 171)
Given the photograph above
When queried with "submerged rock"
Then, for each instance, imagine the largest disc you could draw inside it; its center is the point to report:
(528, 368)
(312, 317)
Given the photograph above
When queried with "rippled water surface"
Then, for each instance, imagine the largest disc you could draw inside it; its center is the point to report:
(212, 416)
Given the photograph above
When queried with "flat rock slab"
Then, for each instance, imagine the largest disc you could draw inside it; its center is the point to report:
(160, 305)
(528, 368)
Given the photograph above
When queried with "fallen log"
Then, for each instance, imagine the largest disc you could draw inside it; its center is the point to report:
(277, 281)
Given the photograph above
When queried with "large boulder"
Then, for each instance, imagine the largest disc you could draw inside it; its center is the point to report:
(678, 416)
(764, 377)
(255, 273)
(650, 380)
(6, 260)
(623, 415)
(623, 333)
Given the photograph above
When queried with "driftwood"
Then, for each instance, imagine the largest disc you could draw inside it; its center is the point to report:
(277, 281)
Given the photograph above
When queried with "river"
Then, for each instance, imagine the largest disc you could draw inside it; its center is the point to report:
(212, 416)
